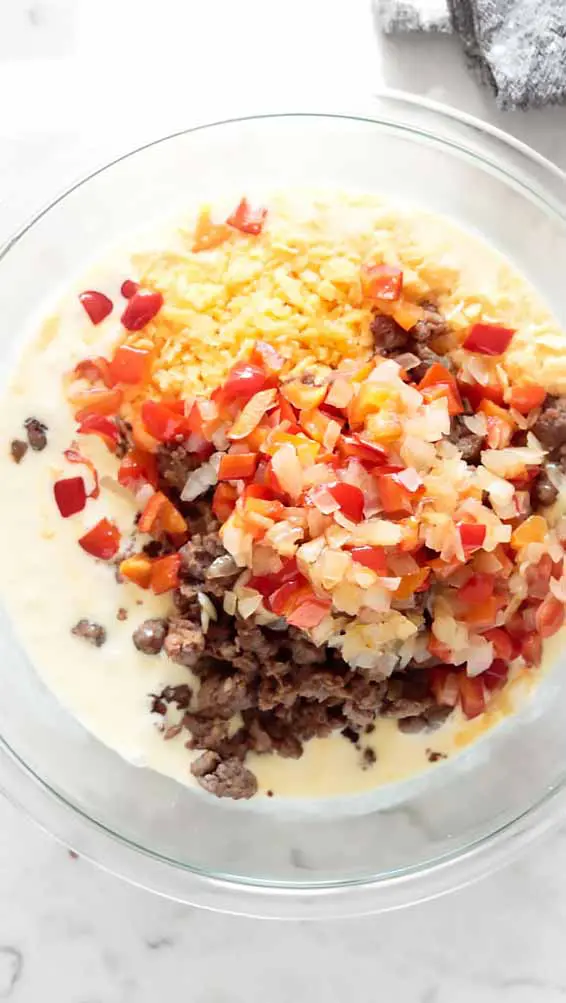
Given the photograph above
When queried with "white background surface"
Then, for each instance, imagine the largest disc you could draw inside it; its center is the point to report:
(82, 80)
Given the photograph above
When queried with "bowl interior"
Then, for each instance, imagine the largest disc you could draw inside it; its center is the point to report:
(393, 831)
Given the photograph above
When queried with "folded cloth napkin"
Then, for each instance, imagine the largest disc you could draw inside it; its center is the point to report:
(518, 46)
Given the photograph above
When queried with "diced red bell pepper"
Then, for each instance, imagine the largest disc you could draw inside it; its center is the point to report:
(246, 219)
(472, 695)
(268, 584)
(488, 339)
(439, 382)
(495, 677)
(224, 501)
(477, 589)
(309, 613)
(243, 382)
(136, 469)
(96, 304)
(93, 370)
(350, 499)
(482, 614)
(137, 569)
(161, 516)
(353, 445)
(237, 466)
(395, 498)
(70, 495)
(72, 455)
(531, 649)
(439, 650)
(102, 541)
(381, 281)
(282, 600)
(162, 423)
(503, 645)
(444, 685)
(371, 557)
(96, 400)
(106, 428)
(130, 365)
(141, 308)
(472, 536)
(475, 393)
(549, 616)
(165, 573)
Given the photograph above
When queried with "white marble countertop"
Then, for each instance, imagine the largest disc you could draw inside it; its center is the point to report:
(80, 81)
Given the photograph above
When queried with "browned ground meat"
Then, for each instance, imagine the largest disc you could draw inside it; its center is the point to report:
(36, 433)
(469, 444)
(428, 358)
(175, 463)
(90, 631)
(150, 635)
(432, 325)
(185, 642)
(543, 491)
(18, 449)
(228, 779)
(550, 426)
(388, 337)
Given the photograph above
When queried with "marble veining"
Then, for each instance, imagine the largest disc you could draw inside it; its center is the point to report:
(82, 80)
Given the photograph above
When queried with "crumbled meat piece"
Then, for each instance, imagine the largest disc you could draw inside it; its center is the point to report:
(90, 631)
(369, 757)
(404, 707)
(543, 491)
(157, 548)
(185, 642)
(428, 358)
(351, 735)
(18, 449)
(149, 637)
(229, 779)
(433, 756)
(469, 444)
(388, 336)
(206, 763)
(432, 325)
(174, 464)
(303, 651)
(198, 554)
(550, 426)
(322, 686)
(224, 695)
(36, 433)
(121, 613)
(179, 695)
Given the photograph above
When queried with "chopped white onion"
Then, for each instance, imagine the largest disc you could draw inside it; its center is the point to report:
(201, 479)
(288, 470)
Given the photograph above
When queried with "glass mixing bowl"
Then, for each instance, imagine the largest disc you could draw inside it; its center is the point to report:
(405, 842)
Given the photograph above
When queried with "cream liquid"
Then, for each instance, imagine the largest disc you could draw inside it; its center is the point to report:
(48, 583)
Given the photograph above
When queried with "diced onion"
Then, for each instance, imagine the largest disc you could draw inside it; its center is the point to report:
(376, 533)
(476, 423)
(223, 567)
(511, 462)
(480, 656)
(288, 470)
(201, 479)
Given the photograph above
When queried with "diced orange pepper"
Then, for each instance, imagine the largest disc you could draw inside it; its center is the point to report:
(381, 281)
(303, 396)
(307, 450)
(532, 530)
(142, 438)
(208, 234)
(165, 573)
(256, 438)
(439, 650)
(383, 428)
(160, 515)
(369, 399)
(524, 399)
(363, 372)
(315, 423)
(407, 314)
(224, 501)
(482, 614)
(448, 391)
(137, 569)
(411, 583)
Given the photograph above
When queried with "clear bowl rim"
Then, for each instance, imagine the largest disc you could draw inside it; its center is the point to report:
(112, 851)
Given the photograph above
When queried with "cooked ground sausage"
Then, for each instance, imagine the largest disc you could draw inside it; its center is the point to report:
(150, 636)
(18, 449)
(469, 444)
(229, 779)
(36, 433)
(90, 631)
(550, 426)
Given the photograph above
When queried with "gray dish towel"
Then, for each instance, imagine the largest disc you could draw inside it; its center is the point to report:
(517, 46)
